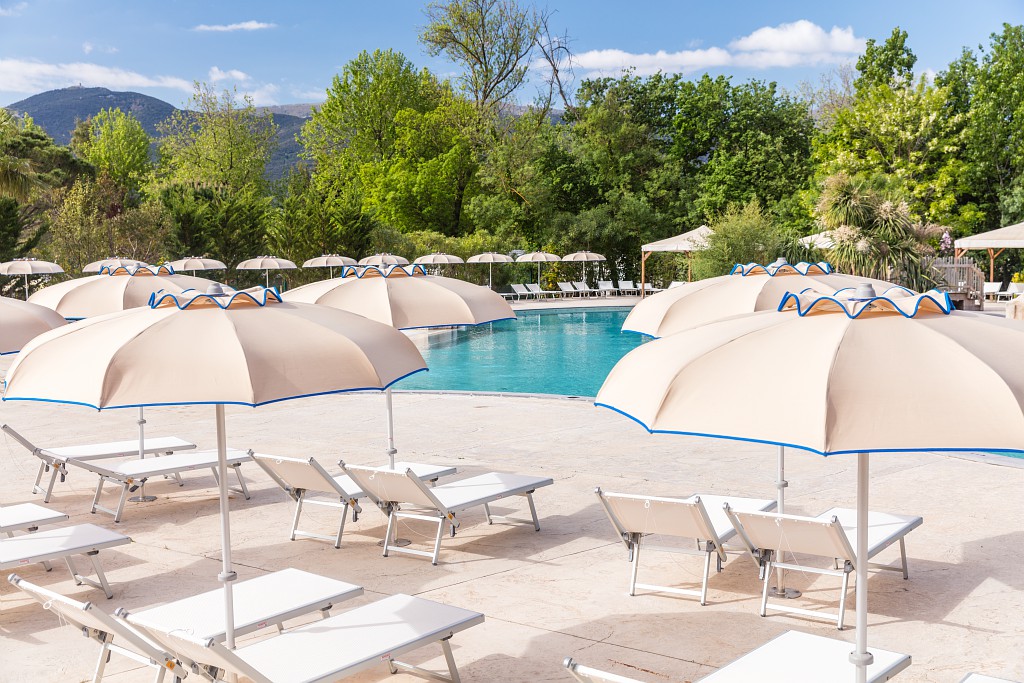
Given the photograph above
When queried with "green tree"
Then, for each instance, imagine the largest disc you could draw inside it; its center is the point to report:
(218, 140)
(891, 63)
(492, 39)
(743, 235)
(118, 145)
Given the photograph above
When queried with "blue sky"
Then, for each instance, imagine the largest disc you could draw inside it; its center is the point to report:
(284, 53)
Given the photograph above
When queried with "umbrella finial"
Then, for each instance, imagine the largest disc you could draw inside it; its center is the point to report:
(865, 291)
(215, 289)
(781, 261)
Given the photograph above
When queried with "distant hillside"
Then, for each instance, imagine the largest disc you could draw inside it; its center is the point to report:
(300, 110)
(56, 111)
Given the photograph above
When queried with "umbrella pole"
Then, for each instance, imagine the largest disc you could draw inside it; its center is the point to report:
(860, 657)
(26, 286)
(490, 275)
(227, 575)
(391, 428)
(142, 497)
(267, 273)
(780, 590)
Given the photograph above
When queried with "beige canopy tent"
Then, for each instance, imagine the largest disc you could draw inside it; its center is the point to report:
(694, 240)
(995, 241)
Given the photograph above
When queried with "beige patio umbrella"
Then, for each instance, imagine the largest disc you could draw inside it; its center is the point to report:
(113, 291)
(538, 257)
(749, 288)
(232, 352)
(194, 263)
(406, 301)
(21, 321)
(29, 266)
(330, 261)
(830, 375)
(437, 259)
(490, 258)
(583, 257)
(112, 262)
(266, 264)
(383, 260)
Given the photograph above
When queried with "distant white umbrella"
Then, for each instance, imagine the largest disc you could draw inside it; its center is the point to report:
(212, 349)
(97, 266)
(583, 257)
(437, 258)
(21, 321)
(538, 257)
(490, 258)
(835, 375)
(383, 260)
(330, 261)
(194, 263)
(266, 264)
(29, 266)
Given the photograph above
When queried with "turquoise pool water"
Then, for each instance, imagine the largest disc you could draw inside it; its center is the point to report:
(567, 352)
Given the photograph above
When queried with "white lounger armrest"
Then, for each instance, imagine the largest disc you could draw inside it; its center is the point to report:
(263, 601)
(27, 517)
(338, 647)
(795, 657)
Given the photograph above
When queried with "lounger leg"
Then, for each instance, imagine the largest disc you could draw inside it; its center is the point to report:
(903, 555)
(453, 670)
(704, 583)
(842, 601)
(54, 473)
(387, 534)
(764, 592)
(341, 527)
(437, 541)
(298, 512)
(533, 511)
(94, 557)
(160, 671)
(635, 561)
(36, 488)
(487, 512)
(101, 663)
(120, 503)
(241, 482)
(96, 497)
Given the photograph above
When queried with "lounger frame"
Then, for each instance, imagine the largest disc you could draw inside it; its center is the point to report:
(166, 466)
(93, 623)
(586, 674)
(813, 536)
(415, 493)
(54, 460)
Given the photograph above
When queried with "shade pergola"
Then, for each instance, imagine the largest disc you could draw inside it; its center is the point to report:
(995, 241)
(694, 240)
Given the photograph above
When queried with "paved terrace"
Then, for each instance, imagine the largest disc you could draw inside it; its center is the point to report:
(546, 595)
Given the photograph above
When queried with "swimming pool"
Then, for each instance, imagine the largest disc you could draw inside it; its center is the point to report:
(565, 351)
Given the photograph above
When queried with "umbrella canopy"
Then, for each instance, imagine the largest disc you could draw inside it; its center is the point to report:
(329, 261)
(383, 260)
(850, 374)
(97, 266)
(29, 266)
(112, 291)
(538, 257)
(584, 256)
(490, 258)
(194, 263)
(266, 264)
(819, 240)
(747, 289)
(20, 321)
(437, 258)
(230, 349)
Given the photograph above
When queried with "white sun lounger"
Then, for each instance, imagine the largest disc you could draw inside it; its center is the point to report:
(536, 290)
(796, 657)
(567, 288)
(301, 477)
(827, 535)
(338, 647)
(104, 629)
(27, 517)
(129, 475)
(267, 600)
(54, 459)
(390, 489)
(60, 544)
(586, 674)
(521, 292)
(982, 678)
(698, 517)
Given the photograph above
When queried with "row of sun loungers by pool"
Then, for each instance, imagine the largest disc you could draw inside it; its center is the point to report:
(522, 292)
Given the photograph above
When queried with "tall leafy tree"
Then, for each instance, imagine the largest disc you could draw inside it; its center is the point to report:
(890, 63)
(219, 140)
(117, 145)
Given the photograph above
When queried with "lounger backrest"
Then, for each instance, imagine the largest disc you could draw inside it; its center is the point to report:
(296, 473)
(675, 283)
(520, 289)
(85, 615)
(626, 284)
(534, 287)
(790, 533)
(392, 486)
(19, 438)
(632, 514)
(208, 652)
(992, 287)
(566, 287)
(581, 286)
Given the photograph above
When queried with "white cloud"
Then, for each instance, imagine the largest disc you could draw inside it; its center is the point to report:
(217, 74)
(801, 43)
(264, 96)
(12, 10)
(89, 48)
(25, 76)
(241, 26)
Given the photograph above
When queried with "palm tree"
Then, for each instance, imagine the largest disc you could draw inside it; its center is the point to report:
(17, 179)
